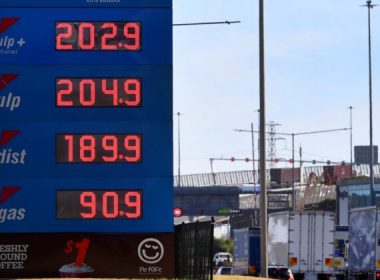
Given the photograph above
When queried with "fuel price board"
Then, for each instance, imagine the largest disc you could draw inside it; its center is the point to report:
(86, 136)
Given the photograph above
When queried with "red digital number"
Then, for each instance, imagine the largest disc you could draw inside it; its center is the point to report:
(88, 92)
(115, 205)
(87, 151)
(113, 91)
(70, 147)
(88, 200)
(99, 148)
(84, 29)
(132, 144)
(110, 144)
(110, 207)
(62, 92)
(132, 32)
(133, 200)
(65, 35)
(87, 97)
(109, 36)
(132, 87)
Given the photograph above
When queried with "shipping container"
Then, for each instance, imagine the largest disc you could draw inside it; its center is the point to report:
(284, 175)
(332, 173)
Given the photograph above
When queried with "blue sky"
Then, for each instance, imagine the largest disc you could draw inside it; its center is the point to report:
(316, 63)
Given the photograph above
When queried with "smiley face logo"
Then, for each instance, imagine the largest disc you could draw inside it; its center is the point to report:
(150, 250)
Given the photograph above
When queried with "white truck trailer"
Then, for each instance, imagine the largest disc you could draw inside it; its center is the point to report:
(303, 241)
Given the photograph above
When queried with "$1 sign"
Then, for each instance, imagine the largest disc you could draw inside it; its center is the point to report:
(82, 250)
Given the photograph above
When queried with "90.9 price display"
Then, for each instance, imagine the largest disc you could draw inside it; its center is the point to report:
(98, 92)
(99, 204)
(98, 36)
(98, 148)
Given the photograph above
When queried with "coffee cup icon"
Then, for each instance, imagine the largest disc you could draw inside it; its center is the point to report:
(76, 271)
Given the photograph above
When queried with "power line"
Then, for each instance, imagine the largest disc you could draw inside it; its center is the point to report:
(207, 23)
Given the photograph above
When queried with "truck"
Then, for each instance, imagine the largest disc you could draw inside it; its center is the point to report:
(364, 243)
(340, 251)
(246, 259)
(303, 241)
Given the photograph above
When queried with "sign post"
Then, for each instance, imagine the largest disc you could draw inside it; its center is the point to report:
(86, 172)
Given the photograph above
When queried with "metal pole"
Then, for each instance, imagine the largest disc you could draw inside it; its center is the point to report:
(258, 147)
(293, 184)
(350, 134)
(179, 151)
(253, 156)
(212, 171)
(263, 188)
(372, 193)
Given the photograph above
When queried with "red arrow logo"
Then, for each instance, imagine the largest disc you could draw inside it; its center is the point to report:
(6, 23)
(8, 135)
(6, 79)
(8, 192)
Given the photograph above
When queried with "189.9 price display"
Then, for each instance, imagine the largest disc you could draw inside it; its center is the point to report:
(99, 204)
(97, 148)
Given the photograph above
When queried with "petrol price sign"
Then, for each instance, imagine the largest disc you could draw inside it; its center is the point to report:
(86, 136)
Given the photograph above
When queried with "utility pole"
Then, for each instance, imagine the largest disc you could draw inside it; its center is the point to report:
(351, 134)
(253, 155)
(263, 187)
(372, 191)
(179, 150)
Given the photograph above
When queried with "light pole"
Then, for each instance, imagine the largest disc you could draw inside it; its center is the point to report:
(350, 108)
(372, 192)
(263, 187)
(179, 150)
(253, 155)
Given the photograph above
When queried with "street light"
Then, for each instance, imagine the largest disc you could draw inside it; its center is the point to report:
(372, 192)
(263, 196)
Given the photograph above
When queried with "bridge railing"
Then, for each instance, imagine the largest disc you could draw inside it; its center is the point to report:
(236, 178)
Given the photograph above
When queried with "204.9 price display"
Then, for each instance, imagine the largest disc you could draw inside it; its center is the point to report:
(98, 92)
(98, 36)
(99, 204)
(98, 148)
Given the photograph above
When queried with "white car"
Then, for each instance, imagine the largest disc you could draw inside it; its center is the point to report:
(222, 258)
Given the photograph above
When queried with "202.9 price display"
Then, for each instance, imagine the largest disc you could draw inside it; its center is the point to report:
(99, 204)
(98, 36)
(98, 148)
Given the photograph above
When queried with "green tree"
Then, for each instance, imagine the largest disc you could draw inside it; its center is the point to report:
(223, 245)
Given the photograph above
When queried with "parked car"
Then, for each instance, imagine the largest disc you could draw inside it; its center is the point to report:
(280, 272)
(224, 270)
(222, 258)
